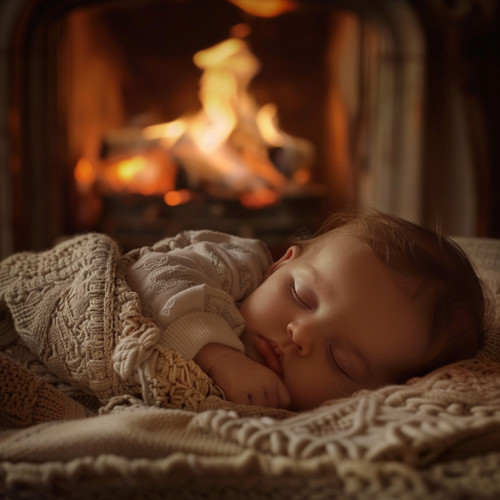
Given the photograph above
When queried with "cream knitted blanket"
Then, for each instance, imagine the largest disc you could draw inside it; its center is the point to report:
(68, 318)
(434, 437)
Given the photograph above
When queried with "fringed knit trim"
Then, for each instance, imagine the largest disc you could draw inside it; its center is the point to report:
(140, 336)
(159, 375)
(163, 377)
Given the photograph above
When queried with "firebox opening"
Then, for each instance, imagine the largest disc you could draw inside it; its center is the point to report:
(195, 114)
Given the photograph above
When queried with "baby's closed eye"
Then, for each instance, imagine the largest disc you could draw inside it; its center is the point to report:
(338, 363)
(303, 302)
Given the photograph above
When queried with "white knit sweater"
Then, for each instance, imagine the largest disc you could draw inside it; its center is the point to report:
(192, 292)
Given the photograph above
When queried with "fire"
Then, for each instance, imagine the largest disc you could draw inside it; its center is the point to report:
(170, 131)
(224, 148)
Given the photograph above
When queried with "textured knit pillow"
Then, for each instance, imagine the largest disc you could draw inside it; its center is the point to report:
(485, 256)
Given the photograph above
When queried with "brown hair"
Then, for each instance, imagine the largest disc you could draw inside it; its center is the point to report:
(437, 271)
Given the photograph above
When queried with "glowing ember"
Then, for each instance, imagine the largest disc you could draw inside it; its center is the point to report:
(302, 176)
(84, 173)
(144, 174)
(174, 198)
(259, 198)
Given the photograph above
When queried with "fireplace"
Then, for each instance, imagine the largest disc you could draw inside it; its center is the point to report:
(105, 117)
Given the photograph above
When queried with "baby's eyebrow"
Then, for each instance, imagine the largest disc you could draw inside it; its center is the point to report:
(323, 285)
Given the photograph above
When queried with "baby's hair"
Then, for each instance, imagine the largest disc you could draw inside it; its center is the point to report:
(434, 270)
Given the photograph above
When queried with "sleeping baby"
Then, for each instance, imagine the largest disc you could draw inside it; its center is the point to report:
(370, 300)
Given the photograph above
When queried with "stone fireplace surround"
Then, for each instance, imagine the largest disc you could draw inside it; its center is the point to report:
(32, 195)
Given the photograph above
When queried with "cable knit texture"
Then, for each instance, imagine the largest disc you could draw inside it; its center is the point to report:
(434, 437)
(67, 309)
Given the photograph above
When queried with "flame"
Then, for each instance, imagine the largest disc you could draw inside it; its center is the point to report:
(170, 131)
(267, 122)
(265, 8)
(204, 141)
(228, 69)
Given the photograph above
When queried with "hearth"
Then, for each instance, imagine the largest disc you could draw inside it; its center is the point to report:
(143, 118)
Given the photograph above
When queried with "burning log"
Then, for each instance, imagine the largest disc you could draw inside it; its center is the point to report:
(126, 141)
(232, 169)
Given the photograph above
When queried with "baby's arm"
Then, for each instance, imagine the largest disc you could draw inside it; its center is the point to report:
(243, 380)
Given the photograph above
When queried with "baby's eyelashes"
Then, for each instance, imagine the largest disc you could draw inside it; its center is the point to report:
(302, 302)
(339, 367)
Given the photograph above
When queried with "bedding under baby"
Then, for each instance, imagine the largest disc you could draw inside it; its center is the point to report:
(141, 418)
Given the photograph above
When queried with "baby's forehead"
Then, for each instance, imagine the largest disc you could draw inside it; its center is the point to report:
(335, 236)
(399, 267)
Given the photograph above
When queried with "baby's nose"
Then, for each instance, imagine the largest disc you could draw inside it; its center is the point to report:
(301, 337)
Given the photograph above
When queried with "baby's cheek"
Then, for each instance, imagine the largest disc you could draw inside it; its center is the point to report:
(301, 383)
(311, 384)
(260, 308)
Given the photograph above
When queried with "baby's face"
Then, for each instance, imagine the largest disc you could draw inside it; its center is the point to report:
(331, 319)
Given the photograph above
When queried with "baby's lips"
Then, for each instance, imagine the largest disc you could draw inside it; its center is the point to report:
(271, 359)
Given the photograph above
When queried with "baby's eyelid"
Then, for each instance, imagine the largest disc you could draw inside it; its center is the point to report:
(296, 297)
(335, 362)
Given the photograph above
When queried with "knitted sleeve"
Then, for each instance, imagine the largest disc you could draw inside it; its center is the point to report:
(191, 286)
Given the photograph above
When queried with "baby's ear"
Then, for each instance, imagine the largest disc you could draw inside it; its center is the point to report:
(291, 253)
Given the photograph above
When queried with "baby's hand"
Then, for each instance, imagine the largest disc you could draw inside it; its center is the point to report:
(243, 380)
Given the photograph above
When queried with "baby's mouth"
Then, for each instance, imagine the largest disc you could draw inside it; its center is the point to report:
(271, 354)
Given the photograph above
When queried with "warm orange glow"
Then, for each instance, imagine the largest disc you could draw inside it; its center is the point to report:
(129, 169)
(174, 198)
(84, 173)
(218, 54)
(259, 198)
(264, 169)
(265, 8)
(146, 174)
(228, 68)
(302, 176)
(268, 126)
(240, 30)
(169, 131)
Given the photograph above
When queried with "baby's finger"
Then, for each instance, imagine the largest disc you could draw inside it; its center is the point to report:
(262, 398)
(283, 396)
(274, 395)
